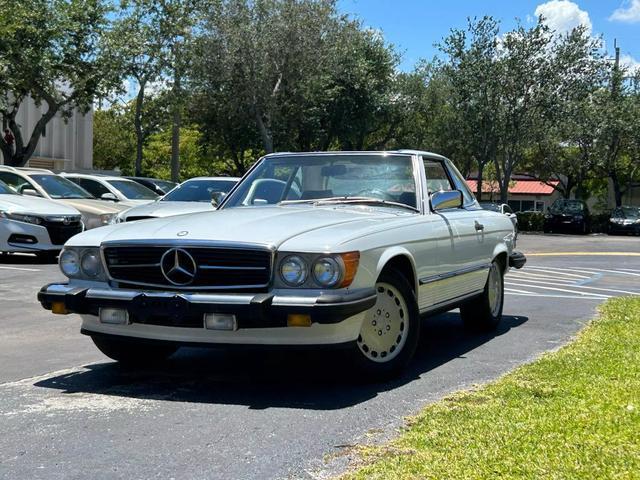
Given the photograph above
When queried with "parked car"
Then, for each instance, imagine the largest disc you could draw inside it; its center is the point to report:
(35, 225)
(332, 248)
(38, 182)
(161, 187)
(625, 220)
(504, 209)
(114, 189)
(567, 216)
(192, 196)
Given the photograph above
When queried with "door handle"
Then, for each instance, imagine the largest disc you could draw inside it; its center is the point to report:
(479, 226)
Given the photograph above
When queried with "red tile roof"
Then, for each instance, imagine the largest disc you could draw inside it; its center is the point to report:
(517, 187)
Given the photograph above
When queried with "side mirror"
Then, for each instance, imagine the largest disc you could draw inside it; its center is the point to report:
(31, 192)
(446, 200)
(217, 197)
(109, 196)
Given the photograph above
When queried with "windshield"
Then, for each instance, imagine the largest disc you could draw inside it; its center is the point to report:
(313, 178)
(629, 212)
(567, 206)
(133, 190)
(165, 185)
(491, 206)
(198, 190)
(6, 189)
(60, 187)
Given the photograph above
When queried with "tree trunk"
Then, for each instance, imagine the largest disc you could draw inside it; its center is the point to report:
(175, 133)
(617, 188)
(265, 132)
(479, 181)
(137, 121)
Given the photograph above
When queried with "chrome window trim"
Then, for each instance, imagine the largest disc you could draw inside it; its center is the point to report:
(189, 244)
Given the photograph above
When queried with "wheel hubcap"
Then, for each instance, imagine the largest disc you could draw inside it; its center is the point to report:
(495, 290)
(385, 327)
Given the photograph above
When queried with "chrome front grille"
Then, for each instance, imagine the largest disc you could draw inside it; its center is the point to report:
(217, 268)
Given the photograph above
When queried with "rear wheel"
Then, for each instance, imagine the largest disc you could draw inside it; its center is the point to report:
(485, 312)
(132, 353)
(390, 330)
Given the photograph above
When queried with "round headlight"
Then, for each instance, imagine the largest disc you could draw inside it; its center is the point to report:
(293, 271)
(90, 264)
(107, 218)
(69, 263)
(326, 272)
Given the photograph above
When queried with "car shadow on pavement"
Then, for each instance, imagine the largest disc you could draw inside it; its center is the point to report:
(267, 378)
(25, 259)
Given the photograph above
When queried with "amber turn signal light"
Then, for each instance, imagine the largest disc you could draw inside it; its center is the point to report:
(351, 261)
(298, 320)
(59, 308)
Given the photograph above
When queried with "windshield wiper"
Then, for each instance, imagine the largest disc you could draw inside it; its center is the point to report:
(347, 199)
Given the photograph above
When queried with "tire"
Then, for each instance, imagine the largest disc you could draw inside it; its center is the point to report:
(485, 313)
(390, 331)
(133, 353)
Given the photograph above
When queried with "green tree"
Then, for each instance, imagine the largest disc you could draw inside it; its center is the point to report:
(475, 85)
(53, 52)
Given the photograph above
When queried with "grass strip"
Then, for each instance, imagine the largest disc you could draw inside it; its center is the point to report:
(572, 414)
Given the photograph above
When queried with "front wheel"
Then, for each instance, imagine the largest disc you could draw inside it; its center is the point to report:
(485, 312)
(133, 353)
(390, 329)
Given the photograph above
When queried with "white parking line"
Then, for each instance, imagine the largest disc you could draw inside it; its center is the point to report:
(513, 290)
(542, 278)
(555, 272)
(559, 290)
(627, 292)
(557, 296)
(630, 269)
(2, 267)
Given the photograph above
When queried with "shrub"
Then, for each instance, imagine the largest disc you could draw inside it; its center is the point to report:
(530, 221)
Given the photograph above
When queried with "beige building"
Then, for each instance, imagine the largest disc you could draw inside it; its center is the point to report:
(64, 145)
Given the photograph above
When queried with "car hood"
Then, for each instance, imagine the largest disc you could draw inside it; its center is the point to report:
(167, 209)
(34, 205)
(92, 207)
(321, 228)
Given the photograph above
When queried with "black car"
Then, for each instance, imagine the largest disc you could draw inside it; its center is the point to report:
(567, 216)
(625, 220)
(161, 187)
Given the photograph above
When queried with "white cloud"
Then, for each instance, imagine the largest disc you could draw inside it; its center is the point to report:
(628, 12)
(563, 16)
(631, 64)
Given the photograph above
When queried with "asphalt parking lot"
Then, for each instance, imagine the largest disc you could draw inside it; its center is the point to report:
(69, 412)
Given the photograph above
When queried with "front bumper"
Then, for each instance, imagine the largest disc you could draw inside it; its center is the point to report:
(16, 236)
(517, 260)
(180, 316)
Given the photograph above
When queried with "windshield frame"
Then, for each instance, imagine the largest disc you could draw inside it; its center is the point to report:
(412, 157)
(6, 189)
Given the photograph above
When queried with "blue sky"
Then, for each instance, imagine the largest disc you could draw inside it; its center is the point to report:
(413, 26)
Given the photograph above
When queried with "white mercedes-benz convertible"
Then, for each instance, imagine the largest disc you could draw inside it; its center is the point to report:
(335, 248)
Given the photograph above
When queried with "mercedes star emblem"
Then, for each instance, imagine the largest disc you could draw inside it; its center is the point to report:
(178, 266)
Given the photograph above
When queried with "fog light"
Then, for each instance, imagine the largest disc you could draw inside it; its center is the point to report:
(114, 316)
(298, 320)
(59, 308)
(220, 321)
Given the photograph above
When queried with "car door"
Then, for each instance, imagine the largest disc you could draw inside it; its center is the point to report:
(463, 253)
